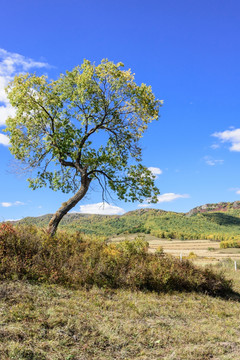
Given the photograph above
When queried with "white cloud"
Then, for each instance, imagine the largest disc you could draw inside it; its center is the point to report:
(155, 171)
(144, 205)
(13, 62)
(212, 162)
(10, 65)
(215, 146)
(19, 203)
(8, 204)
(12, 219)
(6, 111)
(102, 209)
(236, 190)
(167, 197)
(4, 140)
(231, 136)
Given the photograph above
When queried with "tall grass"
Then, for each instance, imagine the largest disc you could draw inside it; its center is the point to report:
(26, 252)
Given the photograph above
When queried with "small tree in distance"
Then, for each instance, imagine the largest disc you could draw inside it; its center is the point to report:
(83, 127)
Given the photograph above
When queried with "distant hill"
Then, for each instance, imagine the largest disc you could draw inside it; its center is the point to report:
(229, 207)
(219, 221)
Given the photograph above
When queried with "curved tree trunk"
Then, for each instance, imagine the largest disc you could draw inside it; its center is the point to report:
(66, 206)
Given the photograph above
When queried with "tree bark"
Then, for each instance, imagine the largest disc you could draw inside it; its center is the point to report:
(67, 206)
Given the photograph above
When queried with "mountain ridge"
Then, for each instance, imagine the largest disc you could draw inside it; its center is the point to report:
(206, 208)
(215, 207)
(219, 221)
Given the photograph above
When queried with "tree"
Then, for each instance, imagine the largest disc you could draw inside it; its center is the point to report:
(83, 127)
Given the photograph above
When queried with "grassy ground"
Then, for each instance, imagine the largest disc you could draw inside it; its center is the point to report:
(43, 322)
(50, 322)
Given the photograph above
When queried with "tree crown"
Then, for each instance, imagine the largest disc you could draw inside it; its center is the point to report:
(58, 123)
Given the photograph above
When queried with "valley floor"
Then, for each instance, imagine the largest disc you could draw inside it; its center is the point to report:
(204, 252)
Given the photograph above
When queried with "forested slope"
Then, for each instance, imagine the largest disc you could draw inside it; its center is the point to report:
(212, 221)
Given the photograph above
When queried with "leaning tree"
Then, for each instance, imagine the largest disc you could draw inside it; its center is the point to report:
(83, 127)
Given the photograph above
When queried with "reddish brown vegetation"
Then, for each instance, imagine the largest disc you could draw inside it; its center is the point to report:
(76, 260)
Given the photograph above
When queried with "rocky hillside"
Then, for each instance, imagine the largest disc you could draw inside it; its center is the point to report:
(217, 207)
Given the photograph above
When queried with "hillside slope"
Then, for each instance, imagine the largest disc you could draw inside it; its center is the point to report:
(211, 221)
(226, 207)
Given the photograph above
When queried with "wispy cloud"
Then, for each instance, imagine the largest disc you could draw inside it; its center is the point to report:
(230, 136)
(9, 204)
(236, 190)
(215, 146)
(101, 208)
(167, 197)
(212, 162)
(12, 219)
(155, 171)
(144, 205)
(10, 65)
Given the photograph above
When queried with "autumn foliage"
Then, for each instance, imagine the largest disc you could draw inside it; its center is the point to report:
(77, 260)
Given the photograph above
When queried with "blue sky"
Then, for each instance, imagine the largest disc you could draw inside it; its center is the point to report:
(188, 51)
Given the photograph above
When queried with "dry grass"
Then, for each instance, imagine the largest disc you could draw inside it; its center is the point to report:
(74, 260)
(49, 322)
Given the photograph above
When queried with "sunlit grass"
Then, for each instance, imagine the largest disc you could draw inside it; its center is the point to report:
(40, 320)
(49, 322)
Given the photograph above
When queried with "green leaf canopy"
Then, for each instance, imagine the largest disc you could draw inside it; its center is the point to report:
(88, 123)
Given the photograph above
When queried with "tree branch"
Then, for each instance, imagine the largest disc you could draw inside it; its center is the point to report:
(113, 132)
(42, 107)
(66, 163)
(101, 185)
(100, 172)
(86, 136)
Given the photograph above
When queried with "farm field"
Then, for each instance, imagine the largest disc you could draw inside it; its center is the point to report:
(201, 252)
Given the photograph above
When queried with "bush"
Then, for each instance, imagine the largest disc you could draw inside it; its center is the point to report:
(192, 256)
(77, 260)
(233, 243)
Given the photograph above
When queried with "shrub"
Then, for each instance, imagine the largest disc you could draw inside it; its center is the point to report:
(233, 243)
(192, 255)
(77, 260)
